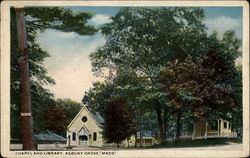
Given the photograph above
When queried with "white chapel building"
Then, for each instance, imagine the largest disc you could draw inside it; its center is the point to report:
(87, 126)
(85, 129)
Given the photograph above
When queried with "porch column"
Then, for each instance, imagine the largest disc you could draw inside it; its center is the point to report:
(218, 127)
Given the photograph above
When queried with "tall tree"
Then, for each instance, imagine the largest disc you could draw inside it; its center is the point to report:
(25, 100)
(144, 40)
(236, 116)
(199, 87)
(39, 19)
(125, 84)
(189, 84)
(119, 123)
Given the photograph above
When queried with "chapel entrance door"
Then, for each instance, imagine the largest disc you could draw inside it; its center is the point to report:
(83, 140)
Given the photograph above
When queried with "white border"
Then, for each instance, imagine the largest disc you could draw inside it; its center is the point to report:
(5, 76)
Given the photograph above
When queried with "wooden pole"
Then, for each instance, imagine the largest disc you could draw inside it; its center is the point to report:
(25, 100)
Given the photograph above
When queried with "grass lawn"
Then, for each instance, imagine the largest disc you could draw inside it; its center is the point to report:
(193, 143)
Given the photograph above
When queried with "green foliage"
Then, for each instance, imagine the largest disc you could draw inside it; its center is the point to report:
(59, 19)
(236, 115)
(99, 96)
(54, 118)
(142, 38)
(41, 98)
(128, 85)
(119, 123)
(123, 84)
(39, 19)
(190, 85)
(71, 109)
(141, 42)
(57, 115)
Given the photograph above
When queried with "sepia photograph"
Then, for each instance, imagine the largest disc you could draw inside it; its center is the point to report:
(124, 79)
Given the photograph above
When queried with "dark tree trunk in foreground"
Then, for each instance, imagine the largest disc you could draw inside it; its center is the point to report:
(161, 123)
(165, 124)
(178, 125)
(25, 100)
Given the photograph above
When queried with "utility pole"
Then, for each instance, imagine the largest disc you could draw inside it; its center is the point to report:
(25, 99)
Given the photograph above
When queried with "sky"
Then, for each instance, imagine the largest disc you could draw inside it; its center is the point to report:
(70, 65)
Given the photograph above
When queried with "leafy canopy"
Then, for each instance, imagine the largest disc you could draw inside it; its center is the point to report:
(57, 18)
(142, 42)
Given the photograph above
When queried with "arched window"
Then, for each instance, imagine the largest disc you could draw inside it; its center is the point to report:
(73, 136)
(94, 136)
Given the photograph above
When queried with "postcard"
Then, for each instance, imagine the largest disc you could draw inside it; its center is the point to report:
(125, 79)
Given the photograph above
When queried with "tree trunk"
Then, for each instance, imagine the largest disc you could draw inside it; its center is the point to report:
(161, 125)
(164, 124)
(178, 125)
(26, 117)
(140, 127)
(135, 139)
(140, 139)
(25, 100)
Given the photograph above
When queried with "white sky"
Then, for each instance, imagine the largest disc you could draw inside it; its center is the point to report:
(70, 65)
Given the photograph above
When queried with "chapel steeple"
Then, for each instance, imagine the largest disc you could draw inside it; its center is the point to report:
(85, 100)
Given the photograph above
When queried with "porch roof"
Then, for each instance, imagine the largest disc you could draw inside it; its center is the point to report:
(145, 134)
(85, 129)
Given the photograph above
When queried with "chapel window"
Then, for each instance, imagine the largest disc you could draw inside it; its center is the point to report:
(94, 136)
(74, 136)
(84, 119)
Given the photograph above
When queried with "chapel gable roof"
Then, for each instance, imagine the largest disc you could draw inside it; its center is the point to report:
(95, 115)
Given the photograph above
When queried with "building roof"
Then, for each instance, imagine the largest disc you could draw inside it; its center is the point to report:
(98, 117)
(49, 136)
(145, 134)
